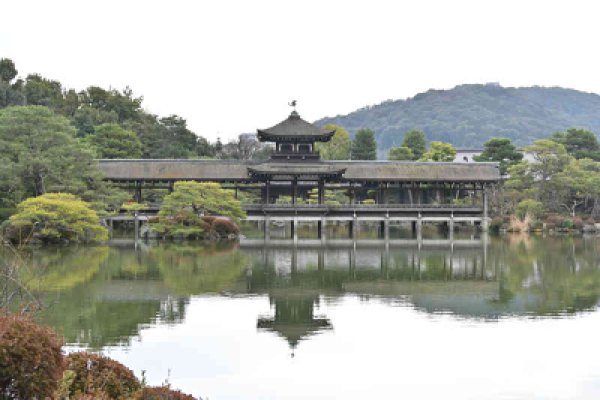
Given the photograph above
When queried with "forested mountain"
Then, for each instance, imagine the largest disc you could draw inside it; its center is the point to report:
(468, 115)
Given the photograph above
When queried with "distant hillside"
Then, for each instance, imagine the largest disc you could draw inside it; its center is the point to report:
(468, 115)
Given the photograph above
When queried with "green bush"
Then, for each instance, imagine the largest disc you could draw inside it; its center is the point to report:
(530, 207)
(31, 360)
(97, 375)
(567, 224)
(161, 393)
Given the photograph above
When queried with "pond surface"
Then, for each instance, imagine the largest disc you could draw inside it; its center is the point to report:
(513, 317)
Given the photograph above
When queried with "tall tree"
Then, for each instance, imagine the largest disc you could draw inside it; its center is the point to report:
(11, 93)
(416, 142)
(40, 148)
(580, 143)
(364, 146)
(400, 153)
(500, 150)
(112, 141)
(338, 148)
(439, 151)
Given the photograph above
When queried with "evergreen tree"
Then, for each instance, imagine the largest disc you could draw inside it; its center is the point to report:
(416, 142)
(500, 150)
(364, 146)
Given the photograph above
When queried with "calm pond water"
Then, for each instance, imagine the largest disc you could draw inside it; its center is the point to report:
(512, 317)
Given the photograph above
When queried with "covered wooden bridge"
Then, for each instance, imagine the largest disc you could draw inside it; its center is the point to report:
(295, 185)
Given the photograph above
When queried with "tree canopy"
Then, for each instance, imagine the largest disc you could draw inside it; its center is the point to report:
(439, 151)
(500, 150)
(580, 143)
(364, 146)
(338, 148)
(112, 141)
(400, 153)
(54, 217)
(41, 154)
(184, 210)
(417, 143)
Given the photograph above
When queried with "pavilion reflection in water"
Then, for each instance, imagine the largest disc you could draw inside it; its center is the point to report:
(297, 279)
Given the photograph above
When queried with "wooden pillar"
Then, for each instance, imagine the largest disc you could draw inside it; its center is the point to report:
(451, 227)
(295, 230)
(138, 192)
(321, 191)
(267, 227)
(172, 184)
(294, 190)
(351, 229)
(235, 188)
(323, 229)
(419, 228)
(386, 229)
(484, 222)
(266, 200)
(355, 228)
(136, 226)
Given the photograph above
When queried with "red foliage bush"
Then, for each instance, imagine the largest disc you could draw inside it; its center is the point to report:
(224, 227)
(161, 393)
(98, 375)
(577, 222)
(31, 360)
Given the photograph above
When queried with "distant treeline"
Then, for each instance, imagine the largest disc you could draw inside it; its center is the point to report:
(469, 115)
(96, 110)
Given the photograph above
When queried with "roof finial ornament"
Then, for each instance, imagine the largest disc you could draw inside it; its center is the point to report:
(293, 104)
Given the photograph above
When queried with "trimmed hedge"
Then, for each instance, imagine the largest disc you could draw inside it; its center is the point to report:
(98, 375)
(31, 359)
(161, 393)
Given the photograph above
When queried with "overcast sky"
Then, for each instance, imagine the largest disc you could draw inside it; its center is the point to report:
(232, 66)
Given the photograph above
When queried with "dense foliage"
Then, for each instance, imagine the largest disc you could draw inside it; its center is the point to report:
(439, 151)
(364, 146)
(98, 375)
(338, 148)
(500, 150)
(469, 115)
(31, 360)
(40, 154)
(112, 141)
(416, 142)
(56, 217)
(88, 109)
(183, 212)
(161, 393)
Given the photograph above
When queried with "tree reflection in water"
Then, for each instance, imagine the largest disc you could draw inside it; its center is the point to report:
(104, 295)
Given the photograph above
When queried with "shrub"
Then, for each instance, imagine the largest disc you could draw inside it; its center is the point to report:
(161, 393)
(97, 375)
(55, 217)
(530, 207)
(567, 224)
(496, 223)
(554, 221)
(577, 222)
(31, 361)
(223, 227)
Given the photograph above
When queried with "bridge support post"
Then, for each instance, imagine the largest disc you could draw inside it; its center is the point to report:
(355, 228)
(350, 229)
(266, 227)
(323, 229)
(295, 230)
(136, 226)
(419, 228)
(484, 221)
(451, 227)
(386, 229)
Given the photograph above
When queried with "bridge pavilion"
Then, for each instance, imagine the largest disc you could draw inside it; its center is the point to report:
(381, 191)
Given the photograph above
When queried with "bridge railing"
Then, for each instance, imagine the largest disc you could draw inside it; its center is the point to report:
(257, 206)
